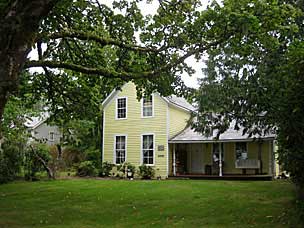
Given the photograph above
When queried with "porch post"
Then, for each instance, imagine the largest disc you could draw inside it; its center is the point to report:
(174, 160)
(220, 160)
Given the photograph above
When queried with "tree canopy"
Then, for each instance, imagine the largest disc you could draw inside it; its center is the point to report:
(255, 77)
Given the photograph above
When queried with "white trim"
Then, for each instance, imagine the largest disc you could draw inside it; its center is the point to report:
(114, 147)
(168, 132)
(109, 98)
(103, 134)
(116, 107)
(220, 143)
(141, 149)
(142, 108)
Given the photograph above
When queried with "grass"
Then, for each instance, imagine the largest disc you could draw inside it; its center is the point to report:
(97, 203)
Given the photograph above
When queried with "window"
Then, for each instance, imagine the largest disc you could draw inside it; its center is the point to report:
(121, 112)
(147, 106)
(120, 149)
(216, 152)
(241, 150)
(51, 136)
(148, 149)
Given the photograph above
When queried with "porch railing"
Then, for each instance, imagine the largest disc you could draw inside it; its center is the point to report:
(247, 164)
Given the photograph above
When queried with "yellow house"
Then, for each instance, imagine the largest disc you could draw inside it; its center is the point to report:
(154, 131)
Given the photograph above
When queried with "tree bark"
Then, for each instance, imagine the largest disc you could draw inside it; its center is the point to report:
(19, 24)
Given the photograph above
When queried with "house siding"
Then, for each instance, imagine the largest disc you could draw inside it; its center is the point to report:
(42, 133)
(178, 120)
(134, 127)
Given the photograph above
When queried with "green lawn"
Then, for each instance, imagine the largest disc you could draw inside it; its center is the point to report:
(106, 203)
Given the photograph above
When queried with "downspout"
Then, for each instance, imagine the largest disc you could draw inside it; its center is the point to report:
(174, 160)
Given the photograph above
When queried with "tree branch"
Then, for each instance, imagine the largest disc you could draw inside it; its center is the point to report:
(102, 41)
(89, 70)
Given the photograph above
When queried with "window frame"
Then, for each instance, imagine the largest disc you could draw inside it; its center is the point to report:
(236, 157)
(142, 107)
(142, 149)
(114, 152)
(116, 108)
(51, 139)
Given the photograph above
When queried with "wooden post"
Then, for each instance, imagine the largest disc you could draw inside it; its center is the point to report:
(220, 160)
(174, 160)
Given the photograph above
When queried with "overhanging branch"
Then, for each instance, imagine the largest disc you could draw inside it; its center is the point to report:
(100, 40)
(89, 70)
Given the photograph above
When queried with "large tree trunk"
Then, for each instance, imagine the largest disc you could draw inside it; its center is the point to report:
(19, 24)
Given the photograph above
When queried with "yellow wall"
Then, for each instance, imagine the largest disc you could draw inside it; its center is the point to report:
(134, 126)
(178, 120)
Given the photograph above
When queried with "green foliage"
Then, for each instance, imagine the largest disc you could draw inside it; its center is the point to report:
(126, 167)
(86, 168)
(10, 162)
(92, 154)
(106, 168)
(146, 172)
(255, 78)
(34, 155)
(72, 155)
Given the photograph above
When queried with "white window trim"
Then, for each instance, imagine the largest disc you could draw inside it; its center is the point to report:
(114, 148)
(116, 108)
(141, 149)
(53, 139)
(235, 149)
(142, 108)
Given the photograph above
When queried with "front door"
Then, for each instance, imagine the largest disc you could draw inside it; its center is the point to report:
(196, 158)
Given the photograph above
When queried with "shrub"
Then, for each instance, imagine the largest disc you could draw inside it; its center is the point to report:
(86, 168)
(10, 162)
(34, 155)
(92, 154)
(146, 172)
(72, 156)
(105, 169)
(126, 166)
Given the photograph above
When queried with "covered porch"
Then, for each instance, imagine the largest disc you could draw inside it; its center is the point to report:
(237, 157)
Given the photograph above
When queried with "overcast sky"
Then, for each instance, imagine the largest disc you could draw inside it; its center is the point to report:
(151, 8)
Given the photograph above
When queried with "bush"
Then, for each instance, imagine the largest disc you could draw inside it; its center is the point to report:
(10, 162)
(146, 172)
(33, 164)
(105, 169)
(126, 166)
(92, 154)
(72, 156)
(86, 168)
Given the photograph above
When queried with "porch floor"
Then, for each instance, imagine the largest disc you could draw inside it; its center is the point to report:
(224, 177)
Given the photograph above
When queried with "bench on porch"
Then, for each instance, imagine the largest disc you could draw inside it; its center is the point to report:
(245, 164)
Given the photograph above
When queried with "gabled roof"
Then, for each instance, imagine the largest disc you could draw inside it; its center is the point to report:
(174, 100)
(181, 102)
(34, 122)
(190, 136)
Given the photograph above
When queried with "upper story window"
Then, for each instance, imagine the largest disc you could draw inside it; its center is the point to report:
(147, 106)
(241, 150)
(121, 108)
